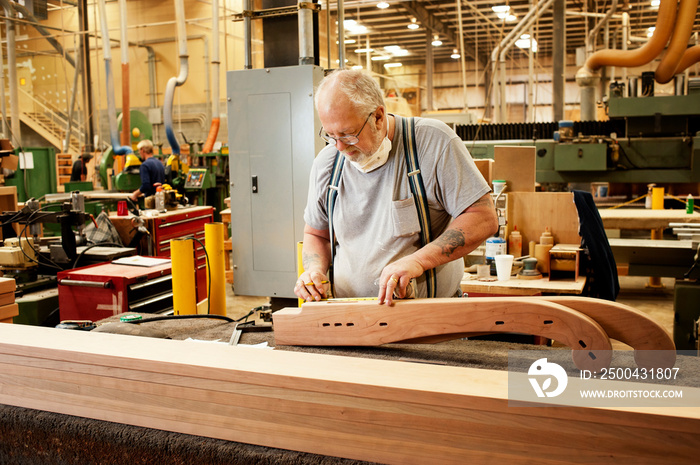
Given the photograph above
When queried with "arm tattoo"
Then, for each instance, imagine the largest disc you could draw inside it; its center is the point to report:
(483, 202)
(450, 240)
(309, 260)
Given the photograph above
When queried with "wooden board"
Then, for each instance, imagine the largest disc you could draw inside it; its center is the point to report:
(532, 212)
(364, 409)
(516, 165)
(362, 323)
(641, 218)
(485, 166)
(521, 287)
(7, 298)
(9, 311)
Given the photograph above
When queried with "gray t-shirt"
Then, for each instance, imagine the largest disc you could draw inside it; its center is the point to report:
(375, 219)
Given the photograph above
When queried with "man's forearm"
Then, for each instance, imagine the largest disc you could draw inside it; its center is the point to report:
(315, 253)
(464, 234)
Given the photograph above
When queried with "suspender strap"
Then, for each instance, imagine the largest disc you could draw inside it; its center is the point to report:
(330, 202)
(419, 196)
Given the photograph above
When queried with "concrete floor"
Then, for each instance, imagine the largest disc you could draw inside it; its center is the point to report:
(634, 291)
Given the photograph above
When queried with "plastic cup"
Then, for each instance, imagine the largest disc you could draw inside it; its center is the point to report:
(504, 265)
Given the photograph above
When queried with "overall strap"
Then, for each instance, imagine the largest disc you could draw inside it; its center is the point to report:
(330, 202)
(419, 196)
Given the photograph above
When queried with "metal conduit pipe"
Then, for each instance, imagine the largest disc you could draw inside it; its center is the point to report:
(126, 115)
(341, 35)
(215, 118)
(247, 35)
(12, 77)
(176, 81)
(679, 42)
(306, 34)
(590, 41)
(508, 42)
(3, 103)
(117, 148)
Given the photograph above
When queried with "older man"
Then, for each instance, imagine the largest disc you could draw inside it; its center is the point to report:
(151, 170)
(379, 246)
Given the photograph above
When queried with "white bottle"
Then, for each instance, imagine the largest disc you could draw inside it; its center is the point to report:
(160, 200)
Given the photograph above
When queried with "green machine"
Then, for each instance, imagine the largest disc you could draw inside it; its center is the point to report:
(206, 181)
(36, 174)
(127, 180)
(646, 140)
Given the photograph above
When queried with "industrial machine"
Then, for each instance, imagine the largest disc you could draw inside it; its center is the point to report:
(650, 139)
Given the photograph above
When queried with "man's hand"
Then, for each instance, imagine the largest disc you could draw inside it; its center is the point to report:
(312, 285)
(396, 276)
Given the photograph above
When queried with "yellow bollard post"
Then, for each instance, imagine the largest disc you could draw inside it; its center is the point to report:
(216, 271)
(657, 203)
(657, 198)
(182, 259)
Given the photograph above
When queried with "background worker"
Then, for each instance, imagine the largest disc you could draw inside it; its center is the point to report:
(151, 170)
(378, 248)
(79, 171)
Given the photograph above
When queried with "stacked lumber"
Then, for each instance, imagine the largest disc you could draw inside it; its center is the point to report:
(8, 308)
(366, 409)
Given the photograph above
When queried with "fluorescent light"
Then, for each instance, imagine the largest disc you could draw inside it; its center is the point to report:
(393, 65)
(511, 18)
(353, 27)
(364, 50)
(525, 42)
(455, 54)
(382, 5)
(500, 9)
(357, 67)
(381, 57)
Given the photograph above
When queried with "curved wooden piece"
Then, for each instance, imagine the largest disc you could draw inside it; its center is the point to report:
(359, 323)
(654, 347)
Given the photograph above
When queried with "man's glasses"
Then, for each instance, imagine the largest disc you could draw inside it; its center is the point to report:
(347, 140)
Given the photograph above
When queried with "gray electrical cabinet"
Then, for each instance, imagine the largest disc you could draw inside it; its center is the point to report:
(273, 139)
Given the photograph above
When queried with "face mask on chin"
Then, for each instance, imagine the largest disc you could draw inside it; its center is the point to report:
(377, 159)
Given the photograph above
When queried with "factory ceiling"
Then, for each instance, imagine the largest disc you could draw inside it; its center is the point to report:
(482, 28)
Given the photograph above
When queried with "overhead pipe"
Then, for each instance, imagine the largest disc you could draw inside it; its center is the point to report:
(679, 42)
(305, 18)
(215, 63)
(642, 55)
(3, 103)
(588, 93)
(341, 35)
(12, 77)
(117, 148)
(247, 34)
(587, 77)
(29, 17)
(174, 82)
(590, 41)
(126, 114)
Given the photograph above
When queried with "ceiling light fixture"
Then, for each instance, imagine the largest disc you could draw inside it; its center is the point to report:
(353, 27)
(455, 54)
(413, 24)
(650, 31)
(381, 57)
(526, 42)
(382, 5)
(364, 50)
(499, 9)
(655, 3)
(436, 41)
(393, 65)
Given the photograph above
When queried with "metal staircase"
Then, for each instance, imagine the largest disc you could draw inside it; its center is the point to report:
(50, 123)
